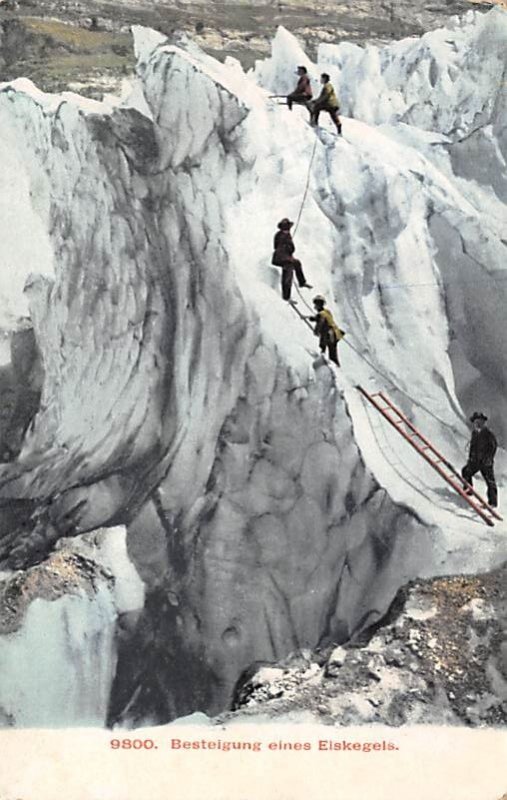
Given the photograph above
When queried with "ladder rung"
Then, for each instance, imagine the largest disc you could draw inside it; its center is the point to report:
(390, 413)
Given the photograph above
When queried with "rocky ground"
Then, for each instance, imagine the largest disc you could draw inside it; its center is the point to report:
(440, 657)
(86, 46)
(64, 572)
(249, 543)
(59, 55)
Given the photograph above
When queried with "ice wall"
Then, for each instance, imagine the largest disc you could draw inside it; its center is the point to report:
(70, 680)
(24, 237)
(267, 509)
(59, 624)
(442, 100)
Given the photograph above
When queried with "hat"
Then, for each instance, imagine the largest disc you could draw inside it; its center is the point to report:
(302, 67)
(319, 299)
(478, 415)
(285, 223)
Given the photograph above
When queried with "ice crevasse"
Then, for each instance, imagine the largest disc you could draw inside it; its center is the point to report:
(266, 507)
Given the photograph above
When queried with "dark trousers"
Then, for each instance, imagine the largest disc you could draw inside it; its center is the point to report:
(299, 99)
(332, 348)
(333, 113)
(288, 269)
(487, 472)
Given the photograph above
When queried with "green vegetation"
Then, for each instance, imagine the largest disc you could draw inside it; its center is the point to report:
(75, 37)
(56, 55)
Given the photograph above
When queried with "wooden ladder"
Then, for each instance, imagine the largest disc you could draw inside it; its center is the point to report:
(423, 446)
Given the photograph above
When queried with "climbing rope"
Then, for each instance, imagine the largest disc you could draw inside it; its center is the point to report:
(445, 284)
(397, 388)
(307, 186)
(372, 366)
(298, 218)
(383, 375)
(386, 378)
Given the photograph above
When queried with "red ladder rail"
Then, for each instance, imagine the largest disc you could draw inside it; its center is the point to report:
(431, 447)
(484, 510)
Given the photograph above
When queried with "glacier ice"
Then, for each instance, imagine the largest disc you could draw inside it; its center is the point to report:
(267, 508)
(59, 626)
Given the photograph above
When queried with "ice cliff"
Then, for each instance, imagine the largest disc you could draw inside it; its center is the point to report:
(156, 380)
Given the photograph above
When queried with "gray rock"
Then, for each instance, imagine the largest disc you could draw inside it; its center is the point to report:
(502, 659)
(338, 657)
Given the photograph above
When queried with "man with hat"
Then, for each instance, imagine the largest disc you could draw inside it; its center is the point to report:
(326, 329)
(302, 94)
(326, 101)
(482, 451)
(283, 257)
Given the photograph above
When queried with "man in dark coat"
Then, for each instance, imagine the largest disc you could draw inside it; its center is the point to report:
(284, 257)
(302, 94)
(326, 329)
(482, 451)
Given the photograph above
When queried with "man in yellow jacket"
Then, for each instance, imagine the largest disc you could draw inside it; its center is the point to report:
(326, 329)
(326, 101)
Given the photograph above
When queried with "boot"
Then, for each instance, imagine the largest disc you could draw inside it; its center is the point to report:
(492, 499)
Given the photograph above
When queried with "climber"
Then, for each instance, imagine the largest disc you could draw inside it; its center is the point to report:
(482, 451)
(326, 329)
(283, 257)
(326, 101)
(302, 94)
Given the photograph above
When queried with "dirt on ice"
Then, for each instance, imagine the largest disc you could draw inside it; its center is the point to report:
(439, 657)
(86, 46)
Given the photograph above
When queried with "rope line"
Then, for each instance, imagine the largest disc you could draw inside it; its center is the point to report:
(372, 366)
(303, 299)
(298, 219)
(389, 381)
(307, 186)
(461, 281)
(308, 325)
(397, 388)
